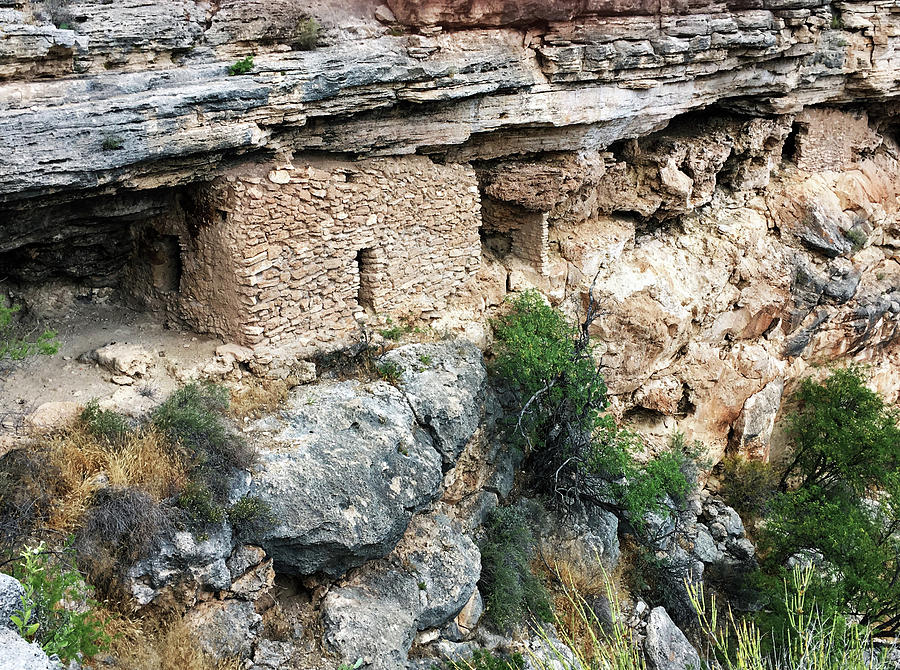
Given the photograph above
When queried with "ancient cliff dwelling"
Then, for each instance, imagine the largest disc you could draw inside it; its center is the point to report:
(392, 333)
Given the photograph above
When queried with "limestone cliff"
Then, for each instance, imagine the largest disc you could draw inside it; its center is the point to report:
(729, 172)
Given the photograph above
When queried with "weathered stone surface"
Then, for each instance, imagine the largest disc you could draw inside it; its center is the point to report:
(588, 538)
(224, 629)
(53, 415)
(666, 647)
(349, 467)
(151, 82)
(428, 579)
(445, 385)
(373, 616)
(121, 358)
(11, 593)
(183, 555)
(20, 655)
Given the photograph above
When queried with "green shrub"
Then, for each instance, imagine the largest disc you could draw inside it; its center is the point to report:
(201, 505)
(511, 590)
(104, 424)
(748, 486)
(840, 501)
(242, 66)
(389, 371)
(306, 36)
(572, 449)
(250, 514)
(857, 238)
(194, 417)
(112, 143)
(17, 345)
(55, 588)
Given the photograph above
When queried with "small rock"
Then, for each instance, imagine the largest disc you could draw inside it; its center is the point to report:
(384, 14)
(280, 177)
(124, 359)
(122, 380)
(225, 628)
(53, 415)
(235, 352)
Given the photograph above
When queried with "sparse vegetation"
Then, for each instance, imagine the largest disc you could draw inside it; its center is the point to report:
(512, 592)
(18, 343)
(104, 424)
(748, 486)
(242, 66)
(112, 143)
(306, 36)
(250, 513)
(857, 238)
(389, 371)
(482, 659)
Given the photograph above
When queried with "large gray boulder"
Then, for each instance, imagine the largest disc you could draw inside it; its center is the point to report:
(428, 579)
(666, 647)
(445, 384)
(348, 468)
(17, 654)
(11, 593)
(588, 536)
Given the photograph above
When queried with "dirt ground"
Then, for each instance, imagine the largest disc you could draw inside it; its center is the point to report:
(70, 375)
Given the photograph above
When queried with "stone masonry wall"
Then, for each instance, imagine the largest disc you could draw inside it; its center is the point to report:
(291, 253)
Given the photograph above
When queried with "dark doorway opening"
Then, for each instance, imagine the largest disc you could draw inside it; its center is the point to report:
(367, 265)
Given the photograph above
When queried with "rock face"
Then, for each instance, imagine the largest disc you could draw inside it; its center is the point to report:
(428, 579)
(20, 655)
(224, 629)
(354, 467)
(11, 593)
(666, 647)
(445, 387)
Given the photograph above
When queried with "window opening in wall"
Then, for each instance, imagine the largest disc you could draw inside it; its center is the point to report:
(165, 262)
(366, 264)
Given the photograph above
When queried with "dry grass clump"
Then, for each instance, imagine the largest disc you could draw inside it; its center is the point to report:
(160, 644)
(259, 396)
(564, 578)
(86, 463)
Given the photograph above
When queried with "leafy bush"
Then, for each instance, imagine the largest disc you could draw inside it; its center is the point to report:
(839, 505)
(242, 66)
(573, 450)
(511, 590)
(16, 345)
(748, 486)
(193, 417)
(104, 424)
(55, 588)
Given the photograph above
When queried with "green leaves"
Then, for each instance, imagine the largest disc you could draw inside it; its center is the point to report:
(840, 499)
(16, 346)
(573, 449)
(57, 610)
